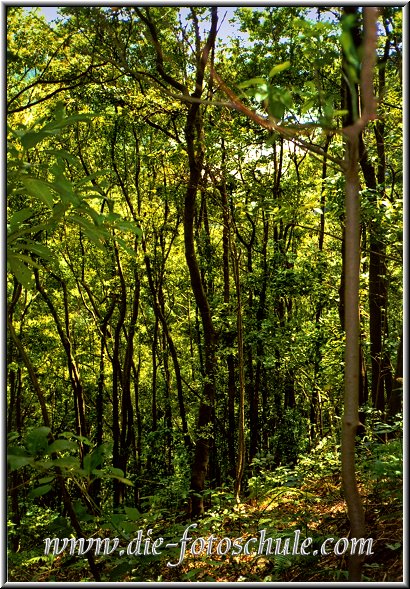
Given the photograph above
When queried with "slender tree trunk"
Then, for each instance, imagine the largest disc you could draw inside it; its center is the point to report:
(375, 178)
(394, 401)
(229, 336)
(352, 325)
(195, 149)
(350, 419)
(138, 443)
(315, 402)
(127, 434)
(240, 465)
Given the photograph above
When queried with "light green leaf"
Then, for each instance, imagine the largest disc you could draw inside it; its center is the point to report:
(45, 480)
(252, 82)
(279, 68)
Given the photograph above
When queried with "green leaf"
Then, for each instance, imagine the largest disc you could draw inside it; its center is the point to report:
(16, 256)
(38, 491)
(37, 248)
(125, 481)
(116, 471)
(93, 459)
(66, 462)
(91, 177)
(286, 98)
(66, 190)
(192, 572)
(61, 446)
(15, 462)
(22, 273)
(394, 546)
(118, 474)
(279, 68)
(37, 440)
(276, 109)
(31, 138)
(126, 248)
(57, 125)
(59, 209)
(62, 153)
(82, 439)
(19, 217)
(252, 82)
(45, 480)
(132, 513)
(39, 189)
(129, 226)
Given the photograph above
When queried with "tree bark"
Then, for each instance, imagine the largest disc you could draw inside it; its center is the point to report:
(240, 465)
(350, 419)
(351, 380)
(195, 149)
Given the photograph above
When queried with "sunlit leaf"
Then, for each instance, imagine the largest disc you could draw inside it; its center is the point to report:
(279, 68)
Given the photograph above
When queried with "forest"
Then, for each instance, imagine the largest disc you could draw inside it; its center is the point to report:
(204, 294)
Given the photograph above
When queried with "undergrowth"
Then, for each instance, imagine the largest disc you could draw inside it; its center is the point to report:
(305, 499)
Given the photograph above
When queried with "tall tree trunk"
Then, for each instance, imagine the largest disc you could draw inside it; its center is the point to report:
(229, 336)
(240, 465)
(138, 442)
(351, 380)
(195, 149)
(350, 419)
(375, 178)
(117, 462)
(127, 434)
(315, 401)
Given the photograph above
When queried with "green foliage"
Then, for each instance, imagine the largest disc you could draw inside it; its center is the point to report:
(98, 183)
(36, 451)
(62, 197)
(278, 98)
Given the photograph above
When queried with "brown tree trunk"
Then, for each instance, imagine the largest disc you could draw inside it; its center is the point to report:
(352, 357)
(229, 336)
(240, 464)
(195, 149)
(381, 384)
(350, 419)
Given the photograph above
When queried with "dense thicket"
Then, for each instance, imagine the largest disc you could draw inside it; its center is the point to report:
(176, 288)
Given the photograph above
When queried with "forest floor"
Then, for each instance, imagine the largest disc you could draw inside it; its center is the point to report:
(318, 510)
